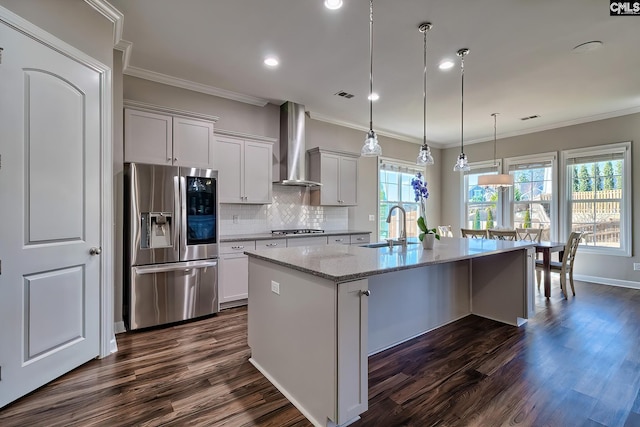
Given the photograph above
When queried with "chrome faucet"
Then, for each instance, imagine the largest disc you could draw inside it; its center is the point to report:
(403, 232)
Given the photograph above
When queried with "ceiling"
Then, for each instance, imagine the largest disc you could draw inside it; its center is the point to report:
(520, 62)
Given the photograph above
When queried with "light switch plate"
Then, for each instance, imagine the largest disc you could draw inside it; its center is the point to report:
(275, 287)
(636, 266)
(372, 218)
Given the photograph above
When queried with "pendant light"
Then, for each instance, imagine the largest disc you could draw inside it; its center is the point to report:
(371, 147)
(424, 156)
(462, 165)
(500, 181)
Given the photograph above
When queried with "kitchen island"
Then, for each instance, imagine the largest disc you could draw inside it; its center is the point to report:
(317, 313)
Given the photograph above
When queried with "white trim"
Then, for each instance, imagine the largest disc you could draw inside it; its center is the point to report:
(542, 157)
(242, 135)
(152, 108)
(286, 394)
(607, 281)
(119, 327)
(112, 14)
(331, 120)
(106, 233)
(572, 122)
(125, 47)
(625, 217)
(196, 87)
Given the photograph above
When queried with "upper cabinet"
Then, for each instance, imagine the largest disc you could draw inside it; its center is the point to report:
(338, 173)
(244, 169)
(157, 136)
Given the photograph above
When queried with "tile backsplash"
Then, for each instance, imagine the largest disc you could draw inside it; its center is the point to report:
(290, 209)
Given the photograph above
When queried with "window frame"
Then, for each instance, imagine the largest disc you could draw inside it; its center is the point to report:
(487, 166)
(399, 164)
(626, 201)
(534, 158)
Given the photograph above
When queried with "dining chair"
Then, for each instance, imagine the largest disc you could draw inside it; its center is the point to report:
(445, 231)
(473, 234)
(529, 234)
(564, 267)
(502, 234)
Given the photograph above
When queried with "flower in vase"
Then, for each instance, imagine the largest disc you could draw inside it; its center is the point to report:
(422, 194)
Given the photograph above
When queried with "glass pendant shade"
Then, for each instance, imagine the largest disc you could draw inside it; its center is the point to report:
(424, 156)
(462, 165)
(371, 147)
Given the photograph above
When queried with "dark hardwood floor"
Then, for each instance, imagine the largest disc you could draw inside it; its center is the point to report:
(577, 363)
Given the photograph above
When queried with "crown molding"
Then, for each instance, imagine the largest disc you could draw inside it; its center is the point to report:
(350, 125)
(196, 87)
(153, 108)
(112, 14)
(242, 135)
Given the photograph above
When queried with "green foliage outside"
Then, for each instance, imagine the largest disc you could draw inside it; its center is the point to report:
(585, 179)
(618, 170)
(597, 178)
(489, 219)
(476, 221)
(609, 180)
(576, 179)
(527, 219)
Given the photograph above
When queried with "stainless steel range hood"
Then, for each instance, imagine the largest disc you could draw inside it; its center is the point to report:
(292, 146)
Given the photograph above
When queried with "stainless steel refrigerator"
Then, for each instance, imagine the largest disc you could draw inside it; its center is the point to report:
(170, 244)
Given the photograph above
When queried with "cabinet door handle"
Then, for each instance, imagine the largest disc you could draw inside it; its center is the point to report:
(271, 245)
(338, 240)
(366, 292)
(175, 159)
(168, 159)
(360, 238)
(237, 247)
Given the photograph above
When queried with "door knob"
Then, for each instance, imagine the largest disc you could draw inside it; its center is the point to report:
(95, 251)
(366, 292)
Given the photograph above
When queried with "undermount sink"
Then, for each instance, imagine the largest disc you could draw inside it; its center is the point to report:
(383, 244)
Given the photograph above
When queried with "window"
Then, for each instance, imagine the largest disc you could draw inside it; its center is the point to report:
(533, 199)
(394, 178)
(598, 194)
(481, 204)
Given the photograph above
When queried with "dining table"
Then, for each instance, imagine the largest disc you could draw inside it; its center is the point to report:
(547, 248)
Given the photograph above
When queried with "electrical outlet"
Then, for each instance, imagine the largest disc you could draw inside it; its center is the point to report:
(235, 219)
(372, 218)
(275, 287)
(636, 266)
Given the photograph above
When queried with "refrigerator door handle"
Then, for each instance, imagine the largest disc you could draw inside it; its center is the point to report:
(160, 268)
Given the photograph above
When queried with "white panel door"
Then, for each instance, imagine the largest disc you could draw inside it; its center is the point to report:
(229, 161)
(50, 211)
(348, 181)
(257, 172)
(148, 137)
(330, 169)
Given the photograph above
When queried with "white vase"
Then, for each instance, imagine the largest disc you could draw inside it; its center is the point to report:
(428, 241)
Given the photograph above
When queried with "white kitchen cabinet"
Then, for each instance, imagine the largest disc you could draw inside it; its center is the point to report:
(244, 170)
(338, 173)
(233, 278)
(306, 241)
(165, 139)
(360, 239)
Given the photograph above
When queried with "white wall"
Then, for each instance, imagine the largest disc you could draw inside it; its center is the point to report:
(615, 269)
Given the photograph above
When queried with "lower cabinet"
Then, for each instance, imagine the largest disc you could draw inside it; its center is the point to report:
(233, 276)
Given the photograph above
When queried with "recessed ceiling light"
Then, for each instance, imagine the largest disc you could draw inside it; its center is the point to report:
(333, 4)
(587, 47)
(271, 61)
(373, 97)
(446, 64)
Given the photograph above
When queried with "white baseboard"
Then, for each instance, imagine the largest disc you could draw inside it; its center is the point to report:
(607, 281)
(119, 328)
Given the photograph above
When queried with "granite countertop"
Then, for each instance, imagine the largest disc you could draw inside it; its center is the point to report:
(341, 263)
(268, 236)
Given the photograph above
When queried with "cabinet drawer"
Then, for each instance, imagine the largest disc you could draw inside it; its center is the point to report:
(342, 239)
(357, 239)
(271, 244)
(237, 247)
(306, 241)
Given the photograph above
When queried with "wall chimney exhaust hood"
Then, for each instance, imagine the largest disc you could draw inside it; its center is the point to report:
(292, 146)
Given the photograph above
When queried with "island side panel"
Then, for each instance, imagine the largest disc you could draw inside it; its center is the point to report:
(500, 286)
(292, 336)
(407, 303)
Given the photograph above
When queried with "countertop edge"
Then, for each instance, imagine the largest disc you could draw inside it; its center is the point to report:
(269, 236)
